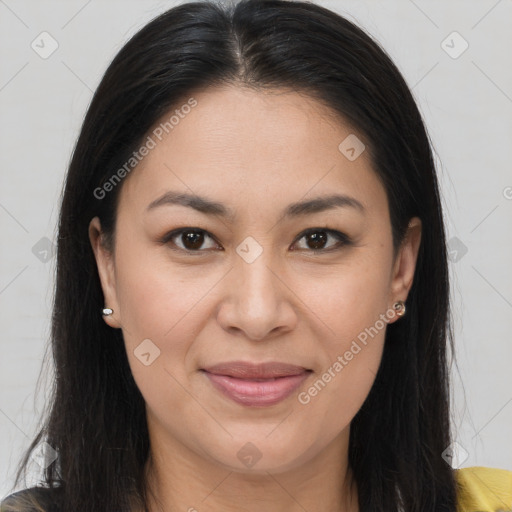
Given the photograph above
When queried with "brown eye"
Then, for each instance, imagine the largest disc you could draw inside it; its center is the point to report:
(318, 239)
(192, 240)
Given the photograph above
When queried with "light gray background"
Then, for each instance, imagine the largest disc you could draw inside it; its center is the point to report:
(466, 102)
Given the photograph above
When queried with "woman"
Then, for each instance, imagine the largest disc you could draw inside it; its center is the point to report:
(252, 296)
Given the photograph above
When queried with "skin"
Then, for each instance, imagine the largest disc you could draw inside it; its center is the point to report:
(255, 152)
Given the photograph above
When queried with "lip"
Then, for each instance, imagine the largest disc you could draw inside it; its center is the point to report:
(248, 370)
(256, 385)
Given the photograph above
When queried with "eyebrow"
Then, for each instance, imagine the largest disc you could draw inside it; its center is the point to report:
(209, 207)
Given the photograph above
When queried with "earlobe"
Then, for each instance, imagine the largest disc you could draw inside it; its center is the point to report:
(105, 264)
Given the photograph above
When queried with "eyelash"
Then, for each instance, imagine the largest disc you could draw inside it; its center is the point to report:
(343, 239)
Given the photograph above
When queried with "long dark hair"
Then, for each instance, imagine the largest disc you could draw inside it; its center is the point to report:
(96, 417)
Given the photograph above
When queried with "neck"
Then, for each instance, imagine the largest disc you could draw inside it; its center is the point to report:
(187, 482)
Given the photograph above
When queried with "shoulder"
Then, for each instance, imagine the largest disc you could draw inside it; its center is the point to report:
(33, 499)
(483, 489)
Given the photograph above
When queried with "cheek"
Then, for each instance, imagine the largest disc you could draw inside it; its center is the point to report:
(159, 314)
(350, 356)
(159, 322)
(154, 296)
(348, 298)
(351, 304)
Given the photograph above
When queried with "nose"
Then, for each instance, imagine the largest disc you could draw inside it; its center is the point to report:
(256, 301)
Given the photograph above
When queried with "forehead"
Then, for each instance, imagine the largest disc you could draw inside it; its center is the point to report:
(251, 147)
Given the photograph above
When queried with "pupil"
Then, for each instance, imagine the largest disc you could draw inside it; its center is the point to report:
(317, 240)
(193, 240)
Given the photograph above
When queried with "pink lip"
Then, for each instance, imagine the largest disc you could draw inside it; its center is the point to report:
(247, 370)
(256, 384)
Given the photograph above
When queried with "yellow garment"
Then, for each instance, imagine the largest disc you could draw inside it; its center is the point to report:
(483, 489)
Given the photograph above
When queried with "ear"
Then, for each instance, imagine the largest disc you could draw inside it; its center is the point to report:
(405, 263)
(106, 271)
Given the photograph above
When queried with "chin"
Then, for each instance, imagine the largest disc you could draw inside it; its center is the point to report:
(261, 457)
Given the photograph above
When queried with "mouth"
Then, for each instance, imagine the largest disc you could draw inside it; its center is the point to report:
(256, 385)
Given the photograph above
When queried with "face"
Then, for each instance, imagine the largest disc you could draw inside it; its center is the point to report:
(254, 277)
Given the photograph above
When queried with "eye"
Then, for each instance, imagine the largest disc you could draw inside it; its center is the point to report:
(191, 239)
(317, 239)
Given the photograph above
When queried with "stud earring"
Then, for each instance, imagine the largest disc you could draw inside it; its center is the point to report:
(107, 311)
(399, 307)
